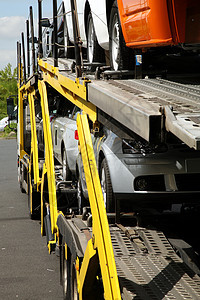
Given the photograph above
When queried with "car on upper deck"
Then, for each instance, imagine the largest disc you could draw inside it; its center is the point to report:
(110, 29)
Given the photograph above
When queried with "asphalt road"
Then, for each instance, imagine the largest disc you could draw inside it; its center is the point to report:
(27, 271)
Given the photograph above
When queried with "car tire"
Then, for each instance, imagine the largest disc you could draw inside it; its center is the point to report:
(106, 186)
(66, 171)
(94, 52)
(68, 46)
(82, 201)
(121, 57)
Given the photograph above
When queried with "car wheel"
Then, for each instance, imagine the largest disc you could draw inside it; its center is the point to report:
(79, 197)
(121, 57)
(94, 52)
(66, 170)
(106, 186)
(68, 46)
(82, 201)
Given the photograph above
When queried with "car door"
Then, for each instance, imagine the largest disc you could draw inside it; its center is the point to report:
(58, 129)
(80, 11)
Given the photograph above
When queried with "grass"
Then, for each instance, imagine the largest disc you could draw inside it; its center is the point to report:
(6, 133)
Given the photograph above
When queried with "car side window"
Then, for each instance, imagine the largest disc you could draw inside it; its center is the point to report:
(75, 112)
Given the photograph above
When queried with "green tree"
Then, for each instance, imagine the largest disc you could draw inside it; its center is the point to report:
(8, 86)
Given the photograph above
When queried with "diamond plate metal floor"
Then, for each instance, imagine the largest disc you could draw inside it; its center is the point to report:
(153, 272)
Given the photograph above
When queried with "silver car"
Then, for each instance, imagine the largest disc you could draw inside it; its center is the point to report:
(65, 140)
(135, 173)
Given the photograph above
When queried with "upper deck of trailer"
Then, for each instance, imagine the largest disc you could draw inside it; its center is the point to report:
(146, 106)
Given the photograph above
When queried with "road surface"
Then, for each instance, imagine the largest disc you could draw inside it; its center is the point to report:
(27, 271)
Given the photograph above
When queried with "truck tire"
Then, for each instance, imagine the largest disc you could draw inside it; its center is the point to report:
(121, 57)
(106, 186)
(94, 52)
(33, 203)
(66, 272)
(75, 295)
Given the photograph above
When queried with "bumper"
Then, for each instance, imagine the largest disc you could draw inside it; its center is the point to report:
(141, 198)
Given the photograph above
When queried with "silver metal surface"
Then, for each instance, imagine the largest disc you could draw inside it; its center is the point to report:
(155, 274)
(125, 105)
(137, 104)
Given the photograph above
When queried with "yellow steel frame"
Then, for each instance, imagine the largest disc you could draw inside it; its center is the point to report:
(34, 146)
(21, 127)
(42, 200)
(99, 248)
(101, 233)
(49, 159)
(72, 90)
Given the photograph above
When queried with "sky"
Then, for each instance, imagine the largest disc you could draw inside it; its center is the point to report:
(13, 16)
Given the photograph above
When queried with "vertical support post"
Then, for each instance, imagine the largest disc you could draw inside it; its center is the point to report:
(55, 34)
(19, 64)
(24, 59)
(32, 39)
(76, 38)
(28, 48)
(40, 28)
(138, 65)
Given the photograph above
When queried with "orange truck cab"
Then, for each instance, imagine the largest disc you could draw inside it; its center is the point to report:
(151, 23)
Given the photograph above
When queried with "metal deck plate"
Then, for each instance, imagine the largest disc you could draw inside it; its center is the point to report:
(156, 274)
(136, 104)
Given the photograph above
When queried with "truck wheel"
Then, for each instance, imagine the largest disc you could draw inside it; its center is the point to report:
(66, 170)
(66, 272)
(33, 202)
(74, 284)
(121, 57)
(106, 186)
(19, 172)
(94, 52)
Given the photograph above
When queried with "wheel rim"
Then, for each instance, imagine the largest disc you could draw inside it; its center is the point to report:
(75, 290)
(103, 185)
(64, 166)
(79, 198)
(65, 276)
(90, 41)
(65, 44)
(115, 50)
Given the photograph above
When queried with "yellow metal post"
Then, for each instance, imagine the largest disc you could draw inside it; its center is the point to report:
(42, 199)
(49, 159)
(101, 232)
(34, 146)
(21, 118)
